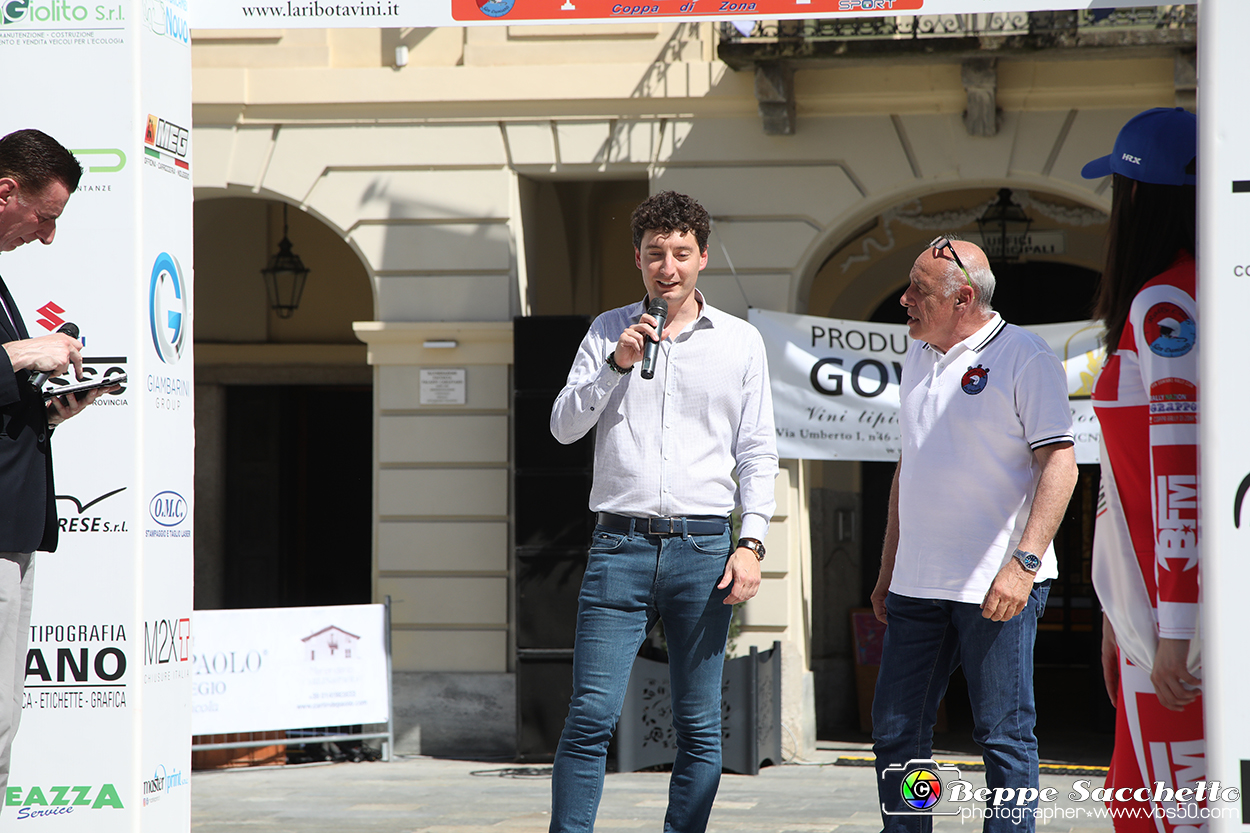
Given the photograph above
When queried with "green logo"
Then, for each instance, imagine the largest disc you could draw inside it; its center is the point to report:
(51, 11)
(105, 165)
(14, 11)
(69, 797)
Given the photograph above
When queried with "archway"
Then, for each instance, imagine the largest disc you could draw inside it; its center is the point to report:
(284, 416)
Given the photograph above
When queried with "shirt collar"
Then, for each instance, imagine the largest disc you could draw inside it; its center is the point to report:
(707, 317)
(979, 340)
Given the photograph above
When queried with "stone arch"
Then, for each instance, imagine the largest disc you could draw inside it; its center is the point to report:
(428, 208)
(859, 261)
(237, 233)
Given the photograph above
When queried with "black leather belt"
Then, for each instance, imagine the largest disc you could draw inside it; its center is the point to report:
(704, 525)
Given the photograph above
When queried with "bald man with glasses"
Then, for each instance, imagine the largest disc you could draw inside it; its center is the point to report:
(984, 477)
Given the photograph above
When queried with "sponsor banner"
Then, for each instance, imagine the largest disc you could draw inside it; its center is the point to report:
(109, 653)
(163, 385)
(836, 383)
(82, 664)
(294, 14)
(288, 668)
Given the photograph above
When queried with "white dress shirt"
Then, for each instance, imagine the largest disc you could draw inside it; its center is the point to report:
(672, 445)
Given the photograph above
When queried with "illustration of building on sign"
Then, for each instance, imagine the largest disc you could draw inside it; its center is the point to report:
(330, 643)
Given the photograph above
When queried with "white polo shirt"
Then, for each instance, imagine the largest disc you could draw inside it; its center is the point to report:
(970, 421)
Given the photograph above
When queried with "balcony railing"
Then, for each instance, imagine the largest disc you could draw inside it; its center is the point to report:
(751, 41)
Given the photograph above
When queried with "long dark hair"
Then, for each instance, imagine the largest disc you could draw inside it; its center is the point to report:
(1150, 225)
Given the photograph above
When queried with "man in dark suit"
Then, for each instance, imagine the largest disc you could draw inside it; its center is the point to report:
(37, 176)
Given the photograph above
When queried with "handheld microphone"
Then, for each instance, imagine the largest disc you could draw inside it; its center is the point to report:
(659, 311)
(70, 329)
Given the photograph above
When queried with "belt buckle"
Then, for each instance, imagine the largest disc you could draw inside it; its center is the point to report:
(651, 526)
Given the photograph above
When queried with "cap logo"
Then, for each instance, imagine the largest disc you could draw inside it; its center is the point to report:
(1136, 160)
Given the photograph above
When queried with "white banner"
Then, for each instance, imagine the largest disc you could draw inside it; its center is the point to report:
(836, 383)
(289, 668)
(317, 14)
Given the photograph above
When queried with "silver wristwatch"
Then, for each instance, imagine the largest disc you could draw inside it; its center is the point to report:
(1028, 560)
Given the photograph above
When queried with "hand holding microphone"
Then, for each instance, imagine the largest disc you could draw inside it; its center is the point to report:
(659, 311)
(48, 352)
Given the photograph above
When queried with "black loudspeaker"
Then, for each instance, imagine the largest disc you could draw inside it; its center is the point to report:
(551, 485)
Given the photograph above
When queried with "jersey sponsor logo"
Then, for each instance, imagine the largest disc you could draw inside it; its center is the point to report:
(1172, 401)
(1176, 497)
(975, 380)
(1169, 330)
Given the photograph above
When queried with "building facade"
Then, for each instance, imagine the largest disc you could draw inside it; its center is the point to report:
(442, 183)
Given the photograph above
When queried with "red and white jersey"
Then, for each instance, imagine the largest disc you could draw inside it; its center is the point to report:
(1146, 541)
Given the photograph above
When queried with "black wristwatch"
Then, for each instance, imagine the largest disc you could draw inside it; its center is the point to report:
(612, 364)
(1028, 560)
(754, 546)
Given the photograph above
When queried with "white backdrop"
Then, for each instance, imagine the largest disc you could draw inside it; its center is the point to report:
(108, 706)
(1224, 293)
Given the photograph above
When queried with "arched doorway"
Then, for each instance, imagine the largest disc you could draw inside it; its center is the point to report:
(284, 415)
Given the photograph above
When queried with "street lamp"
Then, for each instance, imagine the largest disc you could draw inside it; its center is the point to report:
(1004, 228)
(285, 276)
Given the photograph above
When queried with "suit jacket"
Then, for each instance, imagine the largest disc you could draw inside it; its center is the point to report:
(27, 496)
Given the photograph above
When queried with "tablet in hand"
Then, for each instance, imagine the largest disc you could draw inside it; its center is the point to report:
(89, 384)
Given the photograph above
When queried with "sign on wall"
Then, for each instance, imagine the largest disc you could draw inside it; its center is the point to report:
(836, 383)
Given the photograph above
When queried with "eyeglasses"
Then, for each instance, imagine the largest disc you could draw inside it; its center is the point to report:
(940, 243)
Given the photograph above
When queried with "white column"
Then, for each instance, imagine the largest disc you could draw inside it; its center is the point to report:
(105, 738)
(1224, 292)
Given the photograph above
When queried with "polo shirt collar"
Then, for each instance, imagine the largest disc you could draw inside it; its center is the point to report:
(979, 340)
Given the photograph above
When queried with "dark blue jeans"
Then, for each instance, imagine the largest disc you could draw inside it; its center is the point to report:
(925, 641)
(631, 581)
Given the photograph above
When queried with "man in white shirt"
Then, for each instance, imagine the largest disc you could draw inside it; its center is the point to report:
(674, 455)
(983, 480)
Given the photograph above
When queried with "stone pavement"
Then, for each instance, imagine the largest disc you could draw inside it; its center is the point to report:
(435, 795)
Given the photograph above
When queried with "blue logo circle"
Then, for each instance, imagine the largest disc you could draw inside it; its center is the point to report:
(168, 508)
(1169, 330)
(167, 308)
(975, 380)
(495, 8)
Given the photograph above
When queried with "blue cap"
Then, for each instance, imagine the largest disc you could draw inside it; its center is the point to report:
(1155, 146)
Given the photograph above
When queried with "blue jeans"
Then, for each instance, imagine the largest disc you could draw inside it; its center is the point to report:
(925, 641)
(631, 581)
